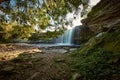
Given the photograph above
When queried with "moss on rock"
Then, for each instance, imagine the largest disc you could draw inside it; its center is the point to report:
(99, 57)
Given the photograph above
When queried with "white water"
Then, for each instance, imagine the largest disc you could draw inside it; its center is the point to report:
(66, 38)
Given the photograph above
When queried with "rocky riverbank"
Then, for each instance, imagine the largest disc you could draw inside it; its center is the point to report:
(25, 62)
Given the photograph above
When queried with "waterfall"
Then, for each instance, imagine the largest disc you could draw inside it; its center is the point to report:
(66, 38)
(70, 36)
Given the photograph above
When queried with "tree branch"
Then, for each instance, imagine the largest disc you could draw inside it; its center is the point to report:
(2, 1)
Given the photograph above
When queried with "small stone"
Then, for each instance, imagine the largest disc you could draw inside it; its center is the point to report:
(76, 76)
(33, 76)
(60, 60)
(10, 68)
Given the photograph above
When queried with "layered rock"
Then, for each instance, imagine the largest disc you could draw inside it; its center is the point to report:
(105, 15)
(81, 34)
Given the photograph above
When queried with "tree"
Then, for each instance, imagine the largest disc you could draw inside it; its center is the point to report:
(38, 12)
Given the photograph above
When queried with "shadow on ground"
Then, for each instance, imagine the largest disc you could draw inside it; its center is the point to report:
(35, 66)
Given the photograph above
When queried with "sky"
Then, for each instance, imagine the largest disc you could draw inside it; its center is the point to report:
(77, 21)
(94, 2)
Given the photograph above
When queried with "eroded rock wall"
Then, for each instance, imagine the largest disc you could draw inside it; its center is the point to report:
(105, 15)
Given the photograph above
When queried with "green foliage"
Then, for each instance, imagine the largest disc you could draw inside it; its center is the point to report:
(96, 65)
(99, 57)
(112, 41)
(49, 34)
(12, 31)
(5, 30)
(36, 12)
(22, 32)
(23, 11)
(35, 36)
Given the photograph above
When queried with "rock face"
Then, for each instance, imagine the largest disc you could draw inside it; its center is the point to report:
(81, 34)
(99, 57)
(105, 15)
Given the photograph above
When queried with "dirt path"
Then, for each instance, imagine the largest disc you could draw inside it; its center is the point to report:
(18, 62)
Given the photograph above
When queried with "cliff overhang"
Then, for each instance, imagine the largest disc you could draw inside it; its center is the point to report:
(103, 16)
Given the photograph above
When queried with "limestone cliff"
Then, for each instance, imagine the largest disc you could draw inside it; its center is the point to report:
(105, 15)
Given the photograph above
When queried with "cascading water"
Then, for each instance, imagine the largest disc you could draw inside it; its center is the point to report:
(66, 38)
(70, 36)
